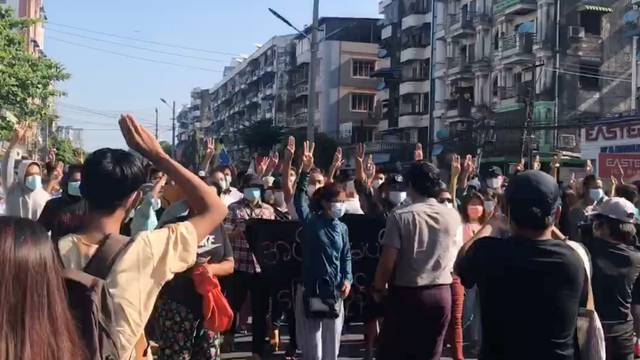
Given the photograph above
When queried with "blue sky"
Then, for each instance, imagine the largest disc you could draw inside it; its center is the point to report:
(104, 84)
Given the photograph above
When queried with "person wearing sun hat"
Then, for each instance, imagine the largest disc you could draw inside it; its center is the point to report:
(616, 265)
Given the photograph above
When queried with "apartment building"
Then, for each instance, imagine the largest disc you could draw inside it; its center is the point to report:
(500, 66)
(345, 91)
(33, 9)
(405, 96)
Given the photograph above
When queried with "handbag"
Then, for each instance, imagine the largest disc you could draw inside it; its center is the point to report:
(589, 332)
(322, 305)
(217, 313)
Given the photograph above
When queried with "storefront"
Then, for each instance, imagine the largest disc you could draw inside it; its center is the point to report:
(612, 146)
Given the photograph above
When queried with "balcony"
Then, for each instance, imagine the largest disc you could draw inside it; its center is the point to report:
(383, 4)
(415, 20)
(415, 53)
(386, 32)
(302, 90)
(517, 48)
(482, 20)
(414, 87)
(411, 121)
(461, 25)
(459, 68)
(515, 7)
(507, 92)
(383, 95)
(588, 47)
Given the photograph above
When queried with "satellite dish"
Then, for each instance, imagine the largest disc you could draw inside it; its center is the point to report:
(442, 133)
(437, 149)
(382, 53)
(631, 16)
(381, 85)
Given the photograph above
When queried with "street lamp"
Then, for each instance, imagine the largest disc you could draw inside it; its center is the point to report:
(173, 125)
(311, 102)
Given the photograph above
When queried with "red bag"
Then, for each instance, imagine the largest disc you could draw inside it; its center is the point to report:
(218, 315)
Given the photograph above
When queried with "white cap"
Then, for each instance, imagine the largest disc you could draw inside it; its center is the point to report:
(616, 208)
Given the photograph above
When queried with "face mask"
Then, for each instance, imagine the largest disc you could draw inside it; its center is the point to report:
(278, 198)
(227, 182)
(488, 206)
(73, 188)
(397, 197)
(268, 197)
(376, 183)
(252, 194)
(337, 210)
(596, 194)
(33, 182)
(311, 189)
(448, 205)
(474, 211)
(493, 183)
(156, 204)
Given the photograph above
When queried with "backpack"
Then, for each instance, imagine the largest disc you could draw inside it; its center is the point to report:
(90, 301)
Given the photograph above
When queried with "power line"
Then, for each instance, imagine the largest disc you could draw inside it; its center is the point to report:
(137, 47)
(105, 114)
(588, 75)
(133, 56)
(143, 40)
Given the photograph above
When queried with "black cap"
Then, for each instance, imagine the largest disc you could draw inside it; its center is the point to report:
(494, 171)
(395, 182)
(533, 191)
(252, 180)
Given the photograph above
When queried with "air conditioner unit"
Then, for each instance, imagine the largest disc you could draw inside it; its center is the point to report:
(576, 32)
(567, 141)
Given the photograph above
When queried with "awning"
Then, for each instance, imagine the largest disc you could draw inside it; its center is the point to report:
(598, 8)
(391, 73)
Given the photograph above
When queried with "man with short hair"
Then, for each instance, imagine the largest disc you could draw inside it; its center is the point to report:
(420, 245)
(111, 185)
(248, 277)
(530, 285)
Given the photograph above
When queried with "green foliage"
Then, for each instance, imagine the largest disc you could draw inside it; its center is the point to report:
(26, 81)
(166, 147)
(261, 136)
(65, 151)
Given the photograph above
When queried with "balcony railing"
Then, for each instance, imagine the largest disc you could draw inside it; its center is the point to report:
(507, 92)
(419, 7)
(523, 42)
(506, 4)
(463, 19)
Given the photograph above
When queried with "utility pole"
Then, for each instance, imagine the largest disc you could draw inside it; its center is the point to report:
(156, 123)
(311, 103)
(634, 72)
(173, 130)
(527, 131)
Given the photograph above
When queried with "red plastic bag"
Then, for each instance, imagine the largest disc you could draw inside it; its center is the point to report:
(218, 315)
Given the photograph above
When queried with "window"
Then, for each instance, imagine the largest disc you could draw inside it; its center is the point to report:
(363, 68)
(415, 104)
(362, 102)
(589, 78)
(419, 70)
(591, 22)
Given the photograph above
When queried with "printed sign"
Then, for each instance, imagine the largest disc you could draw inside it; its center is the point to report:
(609, 164)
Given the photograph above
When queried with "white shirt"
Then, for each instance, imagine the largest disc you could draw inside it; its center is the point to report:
(232, 196)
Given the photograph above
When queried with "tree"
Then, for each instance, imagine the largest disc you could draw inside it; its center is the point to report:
(26, 81)
(166, 147)
(65, 151)
(261, 136)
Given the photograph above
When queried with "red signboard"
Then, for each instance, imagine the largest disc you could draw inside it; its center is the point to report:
(609, 164)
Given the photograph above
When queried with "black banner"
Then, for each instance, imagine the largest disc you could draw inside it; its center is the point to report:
(278, 249)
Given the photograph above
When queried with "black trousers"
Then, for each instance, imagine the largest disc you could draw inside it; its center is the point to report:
(240, 285)
(618, 339)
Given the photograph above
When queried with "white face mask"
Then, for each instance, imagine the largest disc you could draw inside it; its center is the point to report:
(227, 182)
(376, 183)
(493, 183)
(278, 198)
(488, 206)
(448, 205)
(337, 210)
(311, 189)
(596, 194)
(397, 197)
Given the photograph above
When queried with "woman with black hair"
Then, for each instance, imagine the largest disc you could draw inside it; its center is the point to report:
(65, 214)
(326, 265)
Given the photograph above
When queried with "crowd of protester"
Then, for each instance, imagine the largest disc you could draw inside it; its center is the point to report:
(477, 263)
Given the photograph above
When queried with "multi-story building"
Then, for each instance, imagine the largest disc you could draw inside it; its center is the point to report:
(345, 91)
(500, 66)
(405, 99)
(33, 9)
(73, 134)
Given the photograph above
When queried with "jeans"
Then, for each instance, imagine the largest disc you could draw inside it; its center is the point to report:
(320, 338)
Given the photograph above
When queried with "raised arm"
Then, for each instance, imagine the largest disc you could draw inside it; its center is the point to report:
(287, 187)
(336, 164)
(555, 166)
(301, 199)
(456, 168)
(209, 209)
(208, 155)
(361, 175)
